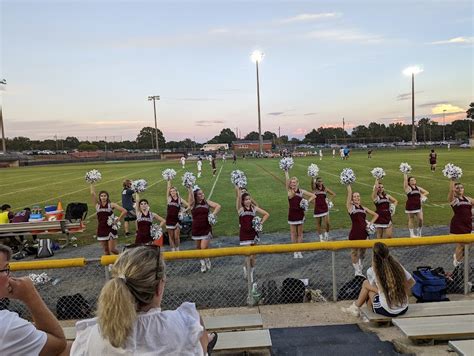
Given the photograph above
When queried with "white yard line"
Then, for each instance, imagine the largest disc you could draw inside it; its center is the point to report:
(31, 180)
(215, 182)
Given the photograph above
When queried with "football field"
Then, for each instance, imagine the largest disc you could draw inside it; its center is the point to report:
(46, 185)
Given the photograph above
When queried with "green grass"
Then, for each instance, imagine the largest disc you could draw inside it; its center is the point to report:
(29, 186)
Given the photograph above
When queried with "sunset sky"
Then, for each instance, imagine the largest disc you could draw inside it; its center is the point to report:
(85, 68)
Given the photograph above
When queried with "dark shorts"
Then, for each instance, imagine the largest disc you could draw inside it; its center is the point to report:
(378, 309)
(131, 215)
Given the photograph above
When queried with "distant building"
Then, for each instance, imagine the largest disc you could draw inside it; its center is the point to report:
(249, 146)
(215, 147)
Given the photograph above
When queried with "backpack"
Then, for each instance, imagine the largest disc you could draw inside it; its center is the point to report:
(270, 293)
(430, 285)
(45, 249)
(76, 211)
(351, 289)
(73, 307)
(292, 291)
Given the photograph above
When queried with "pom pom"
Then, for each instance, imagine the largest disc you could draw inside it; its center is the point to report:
(234, 175)
(423, 198)
(181, 215)
(188, 179)
(114, 222)
(168, 174)
(38, 279)
(139, 186)
(405, 168)
(313, 170)
(347, 176)
(452, 172)
(257, 224)
(378, 173)
(93, 176)
(330, 204)
(286, 163)
(212, 219)
(392, 208)
(370, 228)
(304, 204)
(156, 231)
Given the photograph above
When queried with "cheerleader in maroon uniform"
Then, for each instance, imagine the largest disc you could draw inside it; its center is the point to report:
(174, 207)
(461, 223)
(144, 221)
(201, 229)
(416, 195)
(382, 202)
(358, 215)
(295, 212)
(321, 208)
(433, 156)
(105, 208)
(247, 211)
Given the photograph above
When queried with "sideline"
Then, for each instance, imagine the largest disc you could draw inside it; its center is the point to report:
(215, 182)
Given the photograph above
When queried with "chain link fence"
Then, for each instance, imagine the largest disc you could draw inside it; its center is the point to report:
(278, 278)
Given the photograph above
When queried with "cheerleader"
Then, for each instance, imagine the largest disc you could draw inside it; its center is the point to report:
(295, 211)
(201, 230)
(321, 208)
(144, 221)
(105, 208)
(358, 215)
(461, 223)
(433, 156)
(382, 203)
(247, 211)
(415, 196)
(174, 207)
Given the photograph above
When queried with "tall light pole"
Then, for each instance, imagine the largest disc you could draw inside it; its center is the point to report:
(154, 98)
(4, 146)
(444, 124)
(257, 57)
(411, 71)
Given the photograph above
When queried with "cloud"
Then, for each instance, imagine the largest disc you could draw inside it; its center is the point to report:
(309, 17)
(455, 40)
(276, 113)
(446, 108)
(406, 96)
(345, 35)
(208, 122)
(300, 131)
(434, 103)
(310, 114)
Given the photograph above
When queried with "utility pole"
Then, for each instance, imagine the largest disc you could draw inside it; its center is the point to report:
(4, 146)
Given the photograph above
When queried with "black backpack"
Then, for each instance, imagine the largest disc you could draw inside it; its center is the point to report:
(73, 307)
(270, 292)
(76, 211)
(45, 248)
(351, 289)
(292, 291)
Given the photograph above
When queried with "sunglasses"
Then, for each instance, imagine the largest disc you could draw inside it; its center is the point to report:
(155, 248)
(5, 271)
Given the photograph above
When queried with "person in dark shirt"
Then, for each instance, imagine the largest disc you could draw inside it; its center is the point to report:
(127, 204)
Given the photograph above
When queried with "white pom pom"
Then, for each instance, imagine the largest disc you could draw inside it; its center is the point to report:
(347, 176)
(168, 174)
(156, 231)
(370, 228)
(378, 173)
(212, 219)
(93, 176)
(405, 168)
(313, 170)
(286, 163)
(392, 209)
(188, 179)
(39, 279)
(257, 224)
(423, 198)
(330, 204)
(452, 172)
(139, 185)
(304, 204)
(114, 222)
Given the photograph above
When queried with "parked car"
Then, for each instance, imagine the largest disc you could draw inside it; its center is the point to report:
(465, 145)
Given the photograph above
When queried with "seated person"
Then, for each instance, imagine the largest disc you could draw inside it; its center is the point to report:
(6, 215)
(18, 336)
(129, 317)
(387, 286)
(23, 216)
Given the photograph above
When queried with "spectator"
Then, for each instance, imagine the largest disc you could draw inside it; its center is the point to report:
(133, 323)
(127, 204)
(6, 215)
(18, 336)
(22, 217)
(387, 286)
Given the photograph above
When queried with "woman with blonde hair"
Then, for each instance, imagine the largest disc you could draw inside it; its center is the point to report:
(174, 206)
(415, 196)
(387, 286)
(295, 211)
(382, 202)
(129, 317)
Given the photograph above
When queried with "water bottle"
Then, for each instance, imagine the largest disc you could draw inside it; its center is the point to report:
(56, 281)
(255, 293)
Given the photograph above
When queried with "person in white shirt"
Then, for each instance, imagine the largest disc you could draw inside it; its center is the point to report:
(333, 153)
(199, 167)
(387, 286)
(183, 162)
(18, 336)
(320, 155)
(129, 317)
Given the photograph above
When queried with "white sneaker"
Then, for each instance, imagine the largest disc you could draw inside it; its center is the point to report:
(300, 255)
(203, 266)
(412, 233)
(321, 238)
(245, 272)
(208, 264)
(295, 255)
(326, 236)
(353, 309)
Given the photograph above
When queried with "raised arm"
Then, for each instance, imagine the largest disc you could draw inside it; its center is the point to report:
(374, 191)
(349, 198)
(93, 195)
(405, 182)
(287, 180)
(265, 214)
(238, 199)
(190, 197)
(137, 204)
(451, 191)
(168, 187)
(215, 206)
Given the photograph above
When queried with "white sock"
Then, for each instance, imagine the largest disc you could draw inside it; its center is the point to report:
(203, 262)
(321, 237)
(177, 249)
(418, 231)
(326, 236)
(412, 232)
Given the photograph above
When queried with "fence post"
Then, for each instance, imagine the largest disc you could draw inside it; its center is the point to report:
(334, 284)
(467, 267)
(107, 272)
(250, 301)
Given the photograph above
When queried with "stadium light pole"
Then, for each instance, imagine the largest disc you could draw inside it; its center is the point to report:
(411, 71)
(154, 98)
(4, 146)
(257, 57)
(444, 125)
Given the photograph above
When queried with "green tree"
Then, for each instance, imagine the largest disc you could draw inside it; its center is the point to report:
(71, 143)
(312, 137)
(252, 136)
(147, 135)
(271, 136)
(470, 112)
(226, 136)
(19, 144)
(85, 146)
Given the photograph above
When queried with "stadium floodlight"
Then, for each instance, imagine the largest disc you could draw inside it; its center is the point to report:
(412, 71)
(4, 146)
(257, 57)
(154, 98)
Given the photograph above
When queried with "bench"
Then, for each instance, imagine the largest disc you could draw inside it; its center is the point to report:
(423, 310)
(453, 327)
(244, 340)
(463, 348)
(42, 228)
(233, 322)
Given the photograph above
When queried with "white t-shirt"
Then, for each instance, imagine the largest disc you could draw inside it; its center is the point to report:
(18, 336)
(199, 164)
(383, 301)
(171, 332)
(183, 160)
